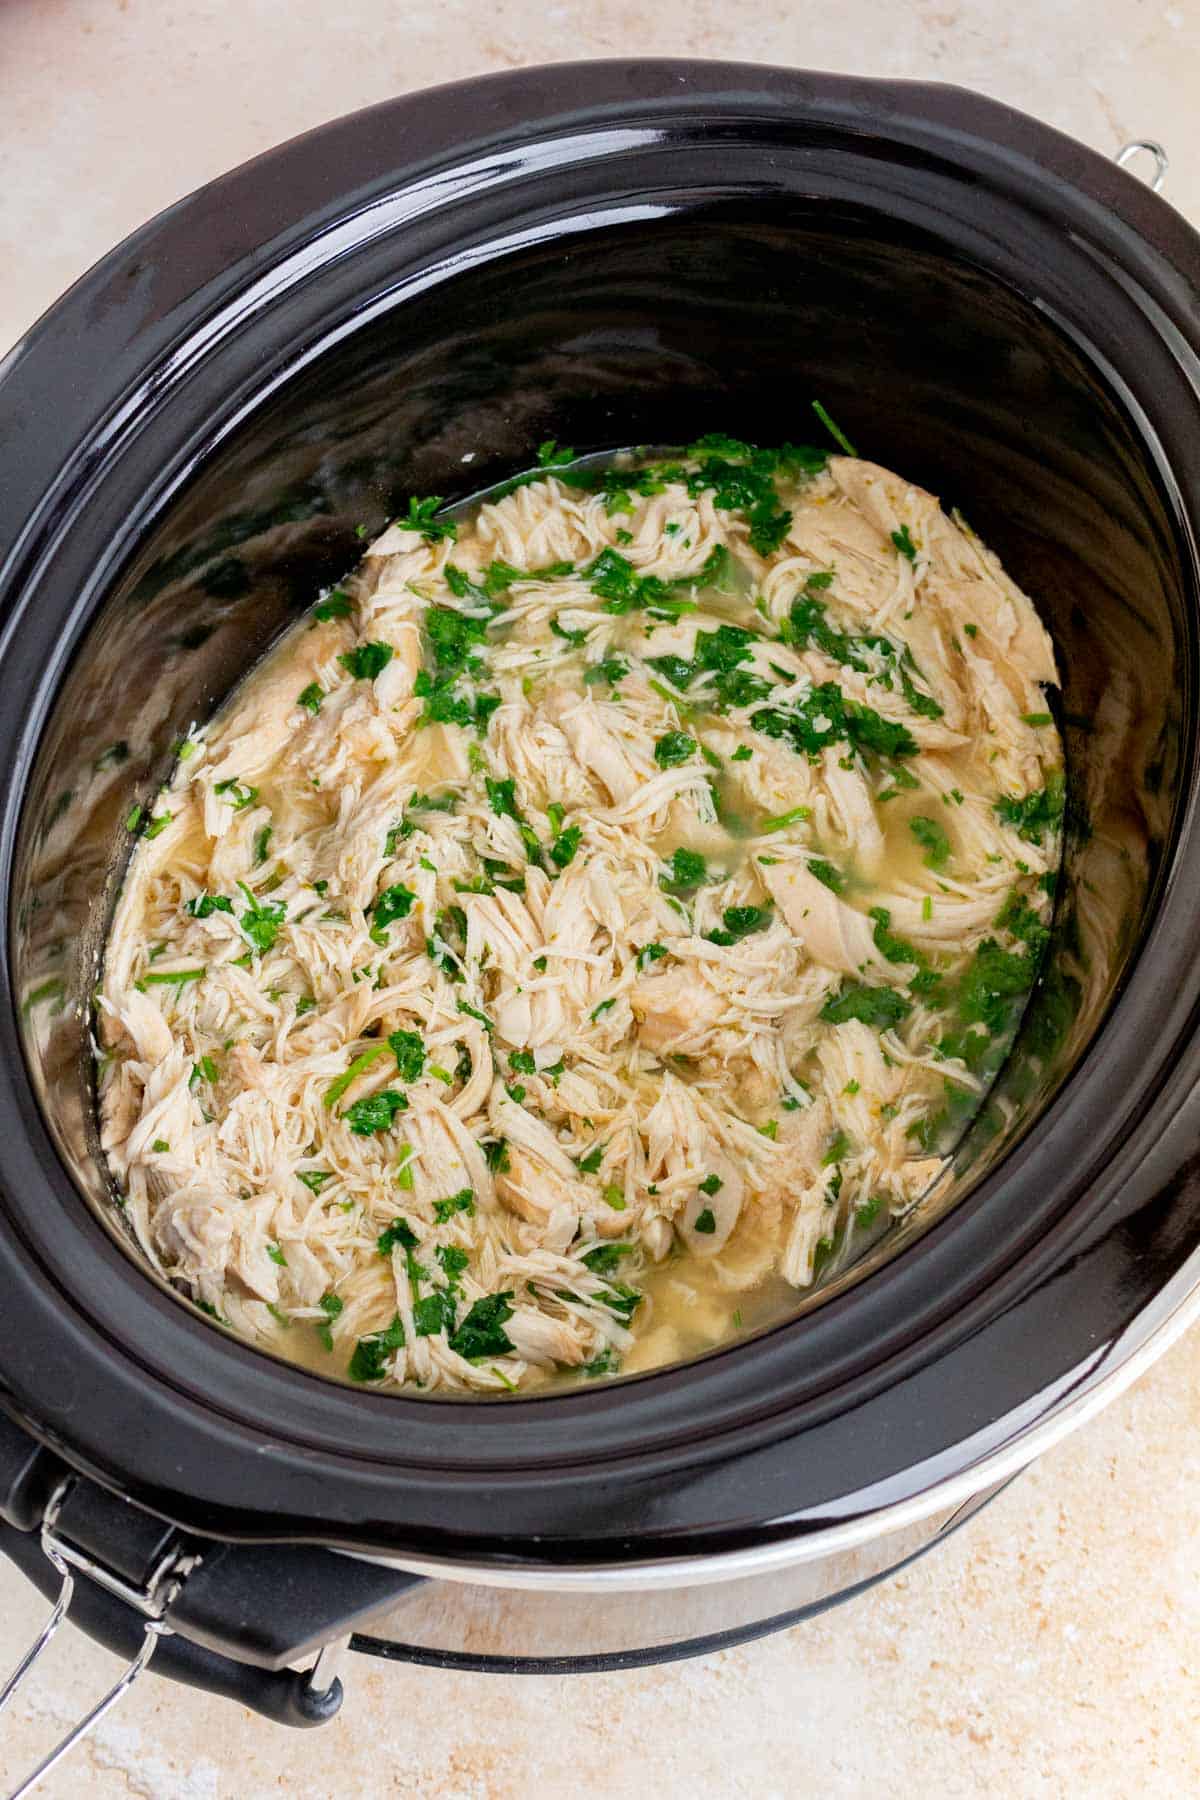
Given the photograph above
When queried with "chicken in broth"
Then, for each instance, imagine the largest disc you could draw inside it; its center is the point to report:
(597, 918)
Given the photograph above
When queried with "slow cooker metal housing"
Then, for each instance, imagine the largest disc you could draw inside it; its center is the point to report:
(612, 253)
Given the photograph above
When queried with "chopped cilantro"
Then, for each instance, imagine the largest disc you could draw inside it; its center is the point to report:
(171, 977)
(552, 455)
(878, 1006)
(236, 794)
(568, 635)
(374, 1112)
(454, 1261)
(409, 1051)
(740, 922)
(311, 697)
(204, 904)
(433, 1314)
(712, 1184)
(393, 903)
(332, 1306)
(611, 670)
(337, 1088)
(336, 605)
(781, 821)
(482, 1331)
(420, 518)
(706, 1221)
(371, 1353)
(868, 1211)
(603, 1260)
(688, 869)
(673, 748)
(261, 923)
(562, 850)
(622, 1300)
(835, 431)
(930, 835)
(314, 1179)
(836, 1149)
(1033, 815)
(473, 1012)
(827, 873)
(463, 1201)
(366, 661)
(650, 953)
(904, 544)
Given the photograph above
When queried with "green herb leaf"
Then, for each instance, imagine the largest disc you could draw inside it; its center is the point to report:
(205, 904)
(337, 1088)
(375, 1112)
(673, 748)
(372, 1353)
(688, 868)
(836, 433)
(434, 1313)
(881, 1007)
(420, 518)
(261, 923)
(1033, 815)
(562, 850)
(552, 455)
(482, 1331)
(367, 661)
(605, 1258)
(336, 605)
(409, 1051)
(463, 1201)
(171, 977)
(930, 835)
(826, 872)
(740, 922)
(393, 903)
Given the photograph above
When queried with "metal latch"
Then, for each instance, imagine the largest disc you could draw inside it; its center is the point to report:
(151, 1599)
(1146, 147)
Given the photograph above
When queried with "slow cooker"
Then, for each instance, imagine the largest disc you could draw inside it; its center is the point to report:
(196, 439)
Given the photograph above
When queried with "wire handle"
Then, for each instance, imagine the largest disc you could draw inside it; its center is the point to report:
(152, 1600)
(45, 1634)
(1146, 147)
(155, 1629)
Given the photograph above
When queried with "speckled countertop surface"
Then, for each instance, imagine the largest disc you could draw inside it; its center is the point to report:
(1053, 1647)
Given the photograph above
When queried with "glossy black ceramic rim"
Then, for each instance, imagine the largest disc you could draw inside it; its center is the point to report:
(1011, 1305)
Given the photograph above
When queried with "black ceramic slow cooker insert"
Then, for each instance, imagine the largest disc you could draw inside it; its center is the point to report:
(407, 301)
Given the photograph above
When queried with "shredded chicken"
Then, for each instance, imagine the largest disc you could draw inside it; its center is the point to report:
(604, 907)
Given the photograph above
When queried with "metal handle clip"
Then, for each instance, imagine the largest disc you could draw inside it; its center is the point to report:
(153, 1600)
(1146, 147)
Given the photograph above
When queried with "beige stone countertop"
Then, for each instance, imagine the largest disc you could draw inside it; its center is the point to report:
(1052, 1647)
